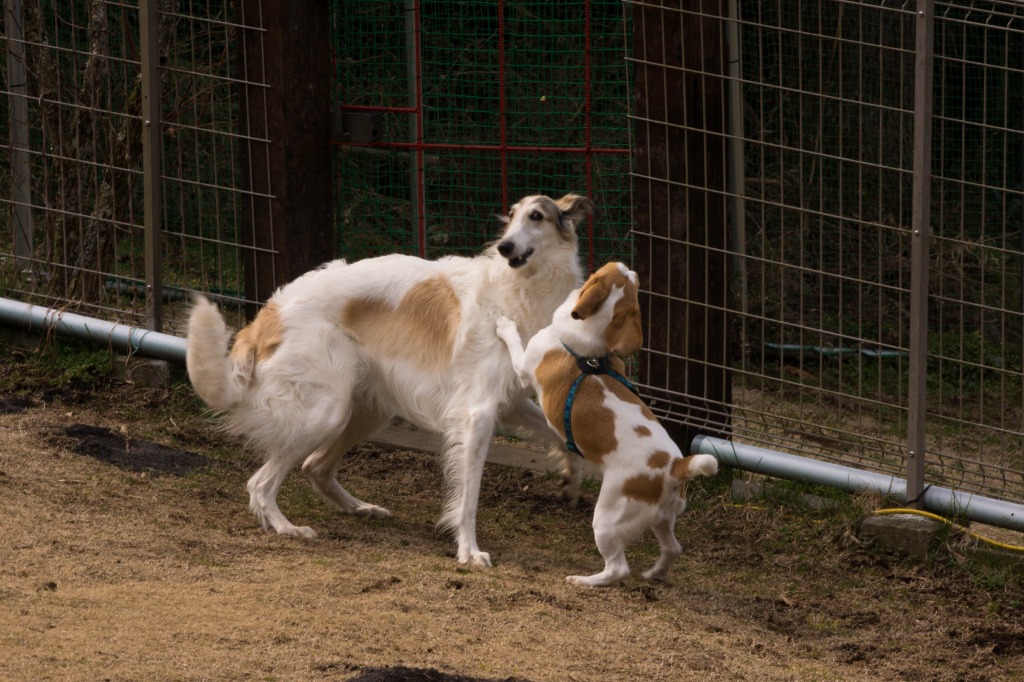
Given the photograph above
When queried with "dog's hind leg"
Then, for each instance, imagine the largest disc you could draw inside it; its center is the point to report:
(613, 548)
(664, 531)
(263, 488)
(288, 430)
(611, 538)
(321, 468)
(526, 417)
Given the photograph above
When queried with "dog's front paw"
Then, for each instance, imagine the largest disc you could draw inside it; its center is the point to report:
(304, 532)
(586, 581)
(477, 558)
(372, 510)
(506, 329)
(613, 572)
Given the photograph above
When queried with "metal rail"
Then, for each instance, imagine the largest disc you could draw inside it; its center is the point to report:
(119, 337)
(938, 500)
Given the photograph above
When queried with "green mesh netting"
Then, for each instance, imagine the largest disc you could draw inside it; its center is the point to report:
(481, 64)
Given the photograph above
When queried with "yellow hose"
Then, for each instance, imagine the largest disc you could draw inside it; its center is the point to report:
(990, 541)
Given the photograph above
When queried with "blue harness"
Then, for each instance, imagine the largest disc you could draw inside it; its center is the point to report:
(592, 365)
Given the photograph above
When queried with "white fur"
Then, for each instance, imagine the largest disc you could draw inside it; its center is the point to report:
(322, 391)
(618, 518)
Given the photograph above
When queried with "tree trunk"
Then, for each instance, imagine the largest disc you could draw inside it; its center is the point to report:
(681, 221)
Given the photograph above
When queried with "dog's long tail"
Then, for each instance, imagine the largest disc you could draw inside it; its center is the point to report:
(211, 371)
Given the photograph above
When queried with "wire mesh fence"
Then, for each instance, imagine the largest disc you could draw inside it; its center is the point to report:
(976, 306)
(794, 208)
(481, 103)
(74, 186)
(819, 116)
(828, 132)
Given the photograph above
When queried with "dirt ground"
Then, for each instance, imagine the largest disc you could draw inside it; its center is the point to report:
(128, 553)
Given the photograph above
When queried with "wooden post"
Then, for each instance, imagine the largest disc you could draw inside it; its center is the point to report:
(21, 168)
(286, 125)
(681, 220)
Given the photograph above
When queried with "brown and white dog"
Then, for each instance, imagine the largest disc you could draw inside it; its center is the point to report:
(578, 379)
(340, 350)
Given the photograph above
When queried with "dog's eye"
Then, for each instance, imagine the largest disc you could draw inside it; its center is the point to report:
(537, 216)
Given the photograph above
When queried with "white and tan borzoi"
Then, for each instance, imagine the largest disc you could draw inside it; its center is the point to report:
(579, 383)
(338, 352)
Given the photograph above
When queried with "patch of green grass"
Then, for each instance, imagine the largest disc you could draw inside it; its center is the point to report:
(64, 363)
(82, 363)
(703, 488)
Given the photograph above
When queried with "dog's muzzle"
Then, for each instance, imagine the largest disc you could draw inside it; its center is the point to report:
(507, 248)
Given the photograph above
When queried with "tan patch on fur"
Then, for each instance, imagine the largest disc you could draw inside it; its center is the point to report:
(681, 471)
(658, 459)
(420, 329)
(258, 341)
(643, 488)
(624, 394)
(593, 424)
(624, 334)
(641, 431)
(555, 374)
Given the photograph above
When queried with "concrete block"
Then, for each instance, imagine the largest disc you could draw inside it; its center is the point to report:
(906, 534)
(143, 372)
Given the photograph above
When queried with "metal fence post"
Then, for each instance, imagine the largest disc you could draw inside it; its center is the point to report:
(736, 169)
(149, 40)
(921, 230)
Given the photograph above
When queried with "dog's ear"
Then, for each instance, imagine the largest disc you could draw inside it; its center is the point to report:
(624, 335)
(594, 292)
(507, 218)
(573, 208)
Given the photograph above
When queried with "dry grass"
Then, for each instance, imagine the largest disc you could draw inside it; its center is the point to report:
(111, 573)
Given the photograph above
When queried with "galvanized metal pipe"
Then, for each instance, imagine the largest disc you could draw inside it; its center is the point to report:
(133, 340)
(937, 500)
(120, 337)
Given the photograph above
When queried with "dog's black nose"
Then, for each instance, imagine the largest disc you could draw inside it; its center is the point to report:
(506, 248)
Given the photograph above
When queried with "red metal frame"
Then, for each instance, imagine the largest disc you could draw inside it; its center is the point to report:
(502, 102)
(421, 218)
(503, 149)
(588, 159)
